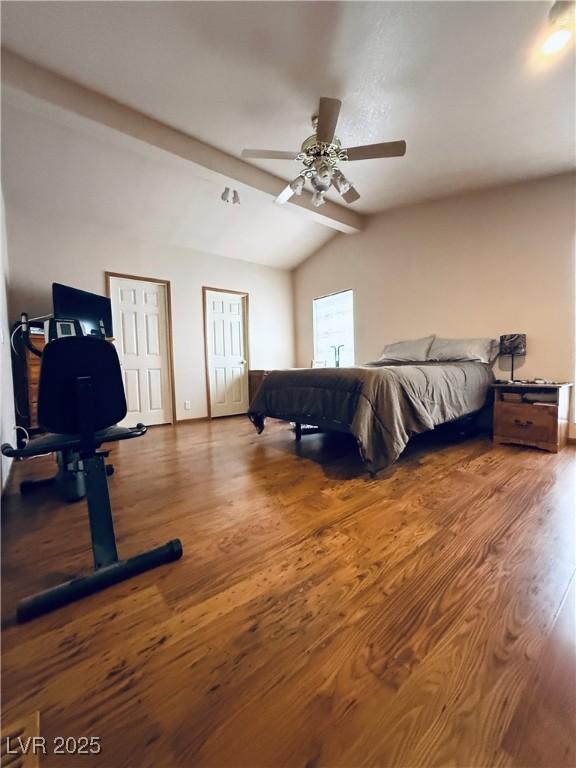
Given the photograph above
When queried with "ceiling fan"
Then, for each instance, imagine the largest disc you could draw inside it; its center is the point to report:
(320, 155)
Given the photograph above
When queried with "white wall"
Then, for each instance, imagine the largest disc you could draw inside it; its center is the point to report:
(483, 264)
(7, 421)
(67, 249)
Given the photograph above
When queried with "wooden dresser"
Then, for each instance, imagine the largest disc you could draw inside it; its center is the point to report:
(33, 363)
(26, 374)
(532, 414)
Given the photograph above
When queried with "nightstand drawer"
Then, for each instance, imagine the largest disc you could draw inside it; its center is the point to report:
(534, 423)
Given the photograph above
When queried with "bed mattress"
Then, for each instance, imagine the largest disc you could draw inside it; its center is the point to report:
(381, 405)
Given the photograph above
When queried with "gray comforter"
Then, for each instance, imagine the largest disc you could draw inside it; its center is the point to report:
(382, 406)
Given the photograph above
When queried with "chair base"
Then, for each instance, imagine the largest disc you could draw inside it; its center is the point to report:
(104, 577)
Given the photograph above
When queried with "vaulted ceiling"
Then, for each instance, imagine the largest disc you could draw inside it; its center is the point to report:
(459, 81)
(58, 167)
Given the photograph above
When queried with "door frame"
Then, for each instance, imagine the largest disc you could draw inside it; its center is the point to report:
(246, 315)
(166, 284)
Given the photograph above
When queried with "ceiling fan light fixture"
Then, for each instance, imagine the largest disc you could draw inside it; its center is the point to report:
(562, 20)
(321, 183)
(344, 186)
(318, 198)
(321, 153)
(341, 183)
(297, 185)
(562, 12)
(556, 41)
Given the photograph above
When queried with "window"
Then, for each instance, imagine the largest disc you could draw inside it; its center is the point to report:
(334, 329)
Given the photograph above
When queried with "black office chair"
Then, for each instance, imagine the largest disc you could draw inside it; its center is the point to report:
(80, 400)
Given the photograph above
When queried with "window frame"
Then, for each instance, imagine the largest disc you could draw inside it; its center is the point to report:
(326, 296)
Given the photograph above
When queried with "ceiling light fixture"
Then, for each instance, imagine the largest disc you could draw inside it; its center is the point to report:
(321, 153)
(341, 182)
(561, 20)
(298, 185)
(230, 196)
(556, 41)
(321, 183)
(318, 198)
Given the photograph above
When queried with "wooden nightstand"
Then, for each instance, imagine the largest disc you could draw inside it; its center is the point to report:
(532, 414)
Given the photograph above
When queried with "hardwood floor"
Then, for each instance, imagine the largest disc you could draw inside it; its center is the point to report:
(318, 617)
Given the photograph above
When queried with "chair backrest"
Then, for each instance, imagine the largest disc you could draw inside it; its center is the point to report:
(66, 360)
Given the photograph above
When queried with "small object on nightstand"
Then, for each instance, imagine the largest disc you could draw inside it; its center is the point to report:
(513, 344)
(532, 414)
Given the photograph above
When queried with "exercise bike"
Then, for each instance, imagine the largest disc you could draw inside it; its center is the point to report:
(69, 479)
(80, 401)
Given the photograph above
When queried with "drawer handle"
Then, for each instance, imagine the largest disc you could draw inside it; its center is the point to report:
(521, 423)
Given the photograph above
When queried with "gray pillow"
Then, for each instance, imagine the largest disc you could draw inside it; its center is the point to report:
(412, 351)
(462, 350)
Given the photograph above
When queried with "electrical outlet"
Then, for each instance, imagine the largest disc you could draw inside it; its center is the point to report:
(187, 405)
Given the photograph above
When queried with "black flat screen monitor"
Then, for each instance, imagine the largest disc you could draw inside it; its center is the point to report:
(89, 308)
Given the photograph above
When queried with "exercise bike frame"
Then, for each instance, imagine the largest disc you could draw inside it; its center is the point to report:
(108, 569)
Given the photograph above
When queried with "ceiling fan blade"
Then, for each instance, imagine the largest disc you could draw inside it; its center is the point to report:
(285, 195)
(269, 154)
(351, 196)
(373, 151)
(328, 112)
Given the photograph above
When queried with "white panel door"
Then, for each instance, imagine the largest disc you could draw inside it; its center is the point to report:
(140, 318)
(226, 331)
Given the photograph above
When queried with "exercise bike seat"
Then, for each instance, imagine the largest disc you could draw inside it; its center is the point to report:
(50, 442)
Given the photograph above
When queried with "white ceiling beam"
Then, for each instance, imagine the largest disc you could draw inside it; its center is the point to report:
(43, 84)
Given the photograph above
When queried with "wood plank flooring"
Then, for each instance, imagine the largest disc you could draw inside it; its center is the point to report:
(319, 617)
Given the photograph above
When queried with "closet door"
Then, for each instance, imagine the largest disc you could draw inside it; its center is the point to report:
(225, 325)
(140, 319)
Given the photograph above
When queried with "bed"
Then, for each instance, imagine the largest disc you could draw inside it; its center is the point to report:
(381, 404)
